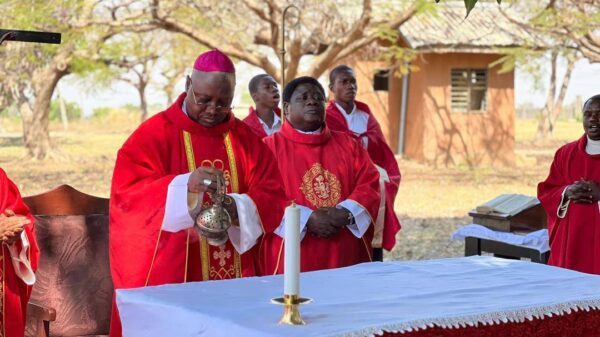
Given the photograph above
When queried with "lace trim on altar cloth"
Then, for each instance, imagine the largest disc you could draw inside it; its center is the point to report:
(513, 316)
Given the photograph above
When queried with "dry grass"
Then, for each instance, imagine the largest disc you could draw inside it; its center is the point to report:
(432, 202)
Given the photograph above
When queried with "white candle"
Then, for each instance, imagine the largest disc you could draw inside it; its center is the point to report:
(291, 267)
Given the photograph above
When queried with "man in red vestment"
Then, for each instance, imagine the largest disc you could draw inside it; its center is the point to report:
(18, 259)
(265, 118)
(571, 196)
(346, 114)
(330, 177)
(164, 169)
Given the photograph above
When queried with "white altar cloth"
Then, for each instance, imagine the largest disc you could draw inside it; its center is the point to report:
(363, 300)
(537, 240)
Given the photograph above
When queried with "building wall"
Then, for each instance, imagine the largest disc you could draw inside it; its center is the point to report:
(471, 138)
(435, 134)
(378, 101)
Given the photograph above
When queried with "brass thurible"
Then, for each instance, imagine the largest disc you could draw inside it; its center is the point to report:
(291, 309)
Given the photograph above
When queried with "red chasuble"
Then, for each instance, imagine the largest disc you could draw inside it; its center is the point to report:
(382, 156)
(252, 120)
(322, 170)
(575, 239)
(167, 145)
(15, 293)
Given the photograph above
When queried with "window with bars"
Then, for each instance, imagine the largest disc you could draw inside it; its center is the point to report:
(469, 90)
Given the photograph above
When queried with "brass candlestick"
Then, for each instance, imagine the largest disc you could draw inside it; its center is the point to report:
(291, 308)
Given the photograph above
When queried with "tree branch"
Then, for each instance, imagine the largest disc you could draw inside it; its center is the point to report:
(170, 24)
(354, 42)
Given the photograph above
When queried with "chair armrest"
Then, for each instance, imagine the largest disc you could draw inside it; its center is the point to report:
(40, 312)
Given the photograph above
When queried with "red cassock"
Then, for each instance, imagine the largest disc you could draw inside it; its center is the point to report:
(322, 170)
(252, 120)
(167, 145)
(574, 239)
(15, 293)
(382, 156)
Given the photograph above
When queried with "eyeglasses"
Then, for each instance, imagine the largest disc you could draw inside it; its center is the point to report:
(207, 104)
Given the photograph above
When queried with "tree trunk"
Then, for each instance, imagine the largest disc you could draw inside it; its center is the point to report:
(544, 127)
(143, 104)
(63, 112)
(36, 135)
(563, 92)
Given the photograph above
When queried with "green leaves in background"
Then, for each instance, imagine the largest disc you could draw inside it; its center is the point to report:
(470, 4)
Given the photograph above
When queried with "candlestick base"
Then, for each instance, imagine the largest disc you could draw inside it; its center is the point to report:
(291, 308)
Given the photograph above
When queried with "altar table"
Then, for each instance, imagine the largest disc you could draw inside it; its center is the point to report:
(467, 296)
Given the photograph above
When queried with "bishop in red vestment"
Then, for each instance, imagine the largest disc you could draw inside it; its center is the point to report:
(571, 196)
(346, 114)
(18, 258)
(165, 168)
(265, 119)
(330, 177)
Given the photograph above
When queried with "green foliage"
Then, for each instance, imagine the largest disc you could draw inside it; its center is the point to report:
(102, 112)
(470, 4)
(73, 110)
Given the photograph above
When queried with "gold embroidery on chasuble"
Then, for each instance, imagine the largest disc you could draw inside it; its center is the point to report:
(320, 187)
(218, 164)
(223, 262)
(222, 265)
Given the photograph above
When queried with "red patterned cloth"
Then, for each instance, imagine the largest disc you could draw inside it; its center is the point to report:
(581, 323)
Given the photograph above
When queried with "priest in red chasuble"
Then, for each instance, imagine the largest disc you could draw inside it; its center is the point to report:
(330, 177)
(18, 259)
(571, 195)
(170, 164)
(346, 114)
(265, 118)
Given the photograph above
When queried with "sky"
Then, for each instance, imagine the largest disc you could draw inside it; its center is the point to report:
(584, 82)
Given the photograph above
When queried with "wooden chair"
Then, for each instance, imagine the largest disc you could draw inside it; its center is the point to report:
(74, 288)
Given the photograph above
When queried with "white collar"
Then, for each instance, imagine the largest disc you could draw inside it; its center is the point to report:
(342, 109)
(276, 120)
(316, 132)
(593, 146)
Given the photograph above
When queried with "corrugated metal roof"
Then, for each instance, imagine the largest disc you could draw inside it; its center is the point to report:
(447, 29)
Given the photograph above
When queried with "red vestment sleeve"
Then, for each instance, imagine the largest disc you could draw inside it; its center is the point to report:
(139, 188)
(549, 192)
(366, 190)
(264, 187)
(382, 155)
(263, 181)
(14, 292)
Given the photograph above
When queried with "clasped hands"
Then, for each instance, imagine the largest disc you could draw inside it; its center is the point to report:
(325, 222)
(583, 191)
(11, 226)
(204, 179)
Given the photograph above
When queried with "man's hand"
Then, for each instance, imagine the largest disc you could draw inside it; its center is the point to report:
(594, 190)
(11, 226)
(339, 217)
(583, 191)
(320, 224)
(201, 176)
